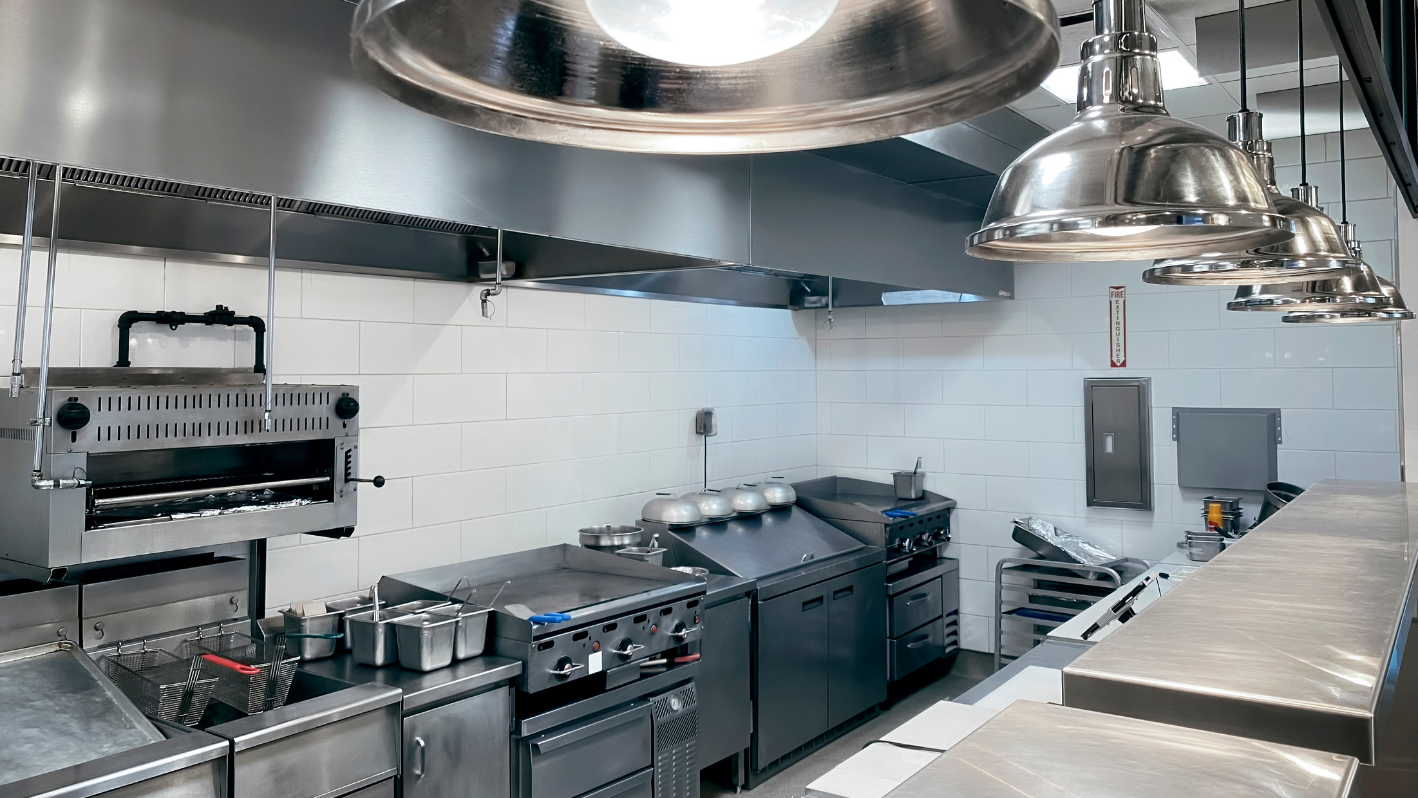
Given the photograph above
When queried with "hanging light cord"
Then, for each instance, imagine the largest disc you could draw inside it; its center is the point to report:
(1304, 152)
(1343, 160)
(1241, 10)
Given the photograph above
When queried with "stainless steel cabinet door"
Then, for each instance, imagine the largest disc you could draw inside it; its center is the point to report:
(791, 702)
(856, 676)
(725, 703)
(459, 749)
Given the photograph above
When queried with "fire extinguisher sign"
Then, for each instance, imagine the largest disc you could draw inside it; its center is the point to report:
(1117, 327)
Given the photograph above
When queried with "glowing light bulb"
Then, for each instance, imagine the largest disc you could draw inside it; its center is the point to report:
(1119, 232)
(710, 32)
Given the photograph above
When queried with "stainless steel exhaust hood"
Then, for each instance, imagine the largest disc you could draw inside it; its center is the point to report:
(179, 118)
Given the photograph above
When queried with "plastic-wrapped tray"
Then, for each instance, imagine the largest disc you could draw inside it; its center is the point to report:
(1052, 543)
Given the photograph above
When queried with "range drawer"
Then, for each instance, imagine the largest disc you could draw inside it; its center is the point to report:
(913, 608)
(918, 647)
(583, 756)
(639, 785)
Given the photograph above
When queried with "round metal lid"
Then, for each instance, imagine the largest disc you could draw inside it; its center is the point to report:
(545, 70)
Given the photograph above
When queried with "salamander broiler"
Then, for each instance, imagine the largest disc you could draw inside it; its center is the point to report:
(172, 459)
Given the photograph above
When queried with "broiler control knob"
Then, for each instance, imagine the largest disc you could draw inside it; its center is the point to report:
(72, 416)
(347, 407)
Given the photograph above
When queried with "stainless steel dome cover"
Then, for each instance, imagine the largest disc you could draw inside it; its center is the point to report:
(1125, 163)
(544, 70)
(1317, 252)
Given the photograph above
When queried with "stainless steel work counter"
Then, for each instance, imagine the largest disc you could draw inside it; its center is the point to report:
(1295, 635)
(1035, 750)
(422, 690)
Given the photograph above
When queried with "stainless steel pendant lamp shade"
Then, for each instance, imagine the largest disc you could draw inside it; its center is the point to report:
(1126, 181)
(1358, 297)
(1318, 249)
(569, 71)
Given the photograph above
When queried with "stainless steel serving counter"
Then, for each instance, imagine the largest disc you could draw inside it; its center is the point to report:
(1044, 751)
(422, 690)
(1295, 635)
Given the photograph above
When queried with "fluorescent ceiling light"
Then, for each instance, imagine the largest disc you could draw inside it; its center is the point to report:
(1177, 73)
(927, 297)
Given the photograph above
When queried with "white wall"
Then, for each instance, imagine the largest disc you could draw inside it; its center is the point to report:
(991, 394)
(562, 411)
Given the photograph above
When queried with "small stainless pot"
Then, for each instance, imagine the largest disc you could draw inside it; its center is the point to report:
(778, 492)
(1202, 546)
(746, 499)
(667, 509)
(608, 536)
(711, 503)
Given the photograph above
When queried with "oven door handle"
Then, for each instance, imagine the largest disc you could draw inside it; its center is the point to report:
(551, 742)
(173, 495)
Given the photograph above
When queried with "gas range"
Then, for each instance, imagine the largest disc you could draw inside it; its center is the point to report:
(871, 513)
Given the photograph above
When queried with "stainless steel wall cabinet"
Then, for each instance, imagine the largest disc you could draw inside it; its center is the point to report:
(1117, 420)
(157, 445)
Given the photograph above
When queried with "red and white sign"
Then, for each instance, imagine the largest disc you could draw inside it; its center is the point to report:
(1117, 327)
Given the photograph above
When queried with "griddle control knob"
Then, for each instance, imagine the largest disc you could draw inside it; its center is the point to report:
(626, 649)
(564, 668)
(682, 632)
(72, 416)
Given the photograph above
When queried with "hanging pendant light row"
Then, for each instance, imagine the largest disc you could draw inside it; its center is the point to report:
(1317, 248)
(1344, 295)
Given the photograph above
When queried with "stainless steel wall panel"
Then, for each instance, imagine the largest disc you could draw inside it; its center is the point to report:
(821, 217)
(1117, 417)
(261, 96)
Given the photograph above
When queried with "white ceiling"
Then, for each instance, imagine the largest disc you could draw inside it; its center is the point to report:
(1173, 22)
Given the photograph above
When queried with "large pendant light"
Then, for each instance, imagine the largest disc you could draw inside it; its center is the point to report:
(1317, 250)
(1361, 297)
(1126, 181)
(705, 76)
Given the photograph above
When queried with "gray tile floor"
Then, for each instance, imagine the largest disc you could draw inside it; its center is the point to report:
(970, 668)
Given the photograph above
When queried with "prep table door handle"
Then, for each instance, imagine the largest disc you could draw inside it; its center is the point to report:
(421, 759)
(812, 604)
(843, 593)
(916, 598)
(550, 743)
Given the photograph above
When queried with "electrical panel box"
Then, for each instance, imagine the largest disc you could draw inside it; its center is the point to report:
(1117, 419)
(1226, 448)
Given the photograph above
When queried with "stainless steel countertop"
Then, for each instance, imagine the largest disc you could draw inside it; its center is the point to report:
(1288, 636)
(422, 690)
(1033, 750)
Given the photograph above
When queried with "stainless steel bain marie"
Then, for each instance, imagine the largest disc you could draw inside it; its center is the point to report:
(178, 458)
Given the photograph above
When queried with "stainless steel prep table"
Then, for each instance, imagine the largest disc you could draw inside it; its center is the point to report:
(456, 722)
(1033, 750)
(190, 765)
(1295, 635)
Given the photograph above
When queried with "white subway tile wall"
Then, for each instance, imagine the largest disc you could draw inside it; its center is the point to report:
(562, 411)
(566, 410)
(991, 394)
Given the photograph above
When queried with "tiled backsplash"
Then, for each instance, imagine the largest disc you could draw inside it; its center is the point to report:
(566, 410)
